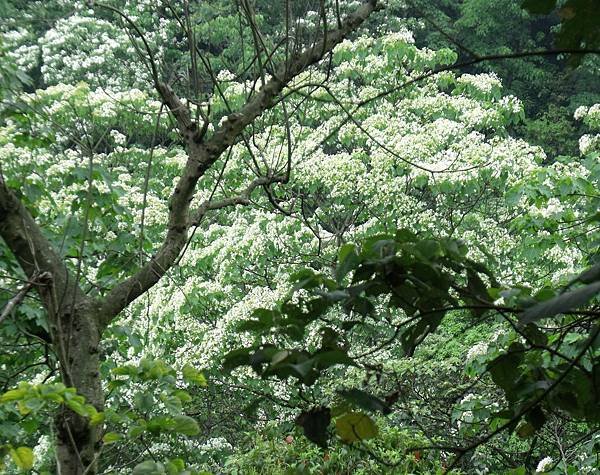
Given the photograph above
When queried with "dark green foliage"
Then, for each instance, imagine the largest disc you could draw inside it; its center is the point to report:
(425, 279)
(579, 20)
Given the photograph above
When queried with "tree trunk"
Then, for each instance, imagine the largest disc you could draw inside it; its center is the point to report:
(75, 328)
(78, 443)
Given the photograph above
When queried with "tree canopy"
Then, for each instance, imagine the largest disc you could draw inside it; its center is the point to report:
(299, 237)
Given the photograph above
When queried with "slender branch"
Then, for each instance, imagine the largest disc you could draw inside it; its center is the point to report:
(453, 67)
(16, 300)
(241, 199)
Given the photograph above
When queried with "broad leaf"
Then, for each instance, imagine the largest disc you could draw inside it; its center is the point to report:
(365, 400)
(355, 426)
(315, 423)
(22, 457)
(185, 425)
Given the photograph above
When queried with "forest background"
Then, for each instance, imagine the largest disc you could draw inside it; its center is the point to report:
(299, 237)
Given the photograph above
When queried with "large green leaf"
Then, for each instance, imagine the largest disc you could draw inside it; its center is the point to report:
(22, 457)
(315, 423)
(355, 426)
(149, 467)
(348, 259)
(192, 375)
(13, 395)
(365, 400)
(185, 425)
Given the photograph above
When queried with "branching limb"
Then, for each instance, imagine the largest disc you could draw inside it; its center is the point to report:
(33, 251)
(203, 153)
(241, 199)
(17, 299)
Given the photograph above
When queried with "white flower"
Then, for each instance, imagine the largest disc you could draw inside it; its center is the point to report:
(479, 349)
(216, 443)
(588, 143)
(41, 450)
(580, 113)
(118, 137)
(225, 75)
(544, 465)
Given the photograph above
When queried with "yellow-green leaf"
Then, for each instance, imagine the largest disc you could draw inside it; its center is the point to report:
(97, 418)
(111, 437)
(77, 407)
(525, 430)
(23, 409)
(22, 457)
(13, 395)
(192, 375)
(355, 426)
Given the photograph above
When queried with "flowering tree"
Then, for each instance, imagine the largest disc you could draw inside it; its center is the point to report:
(139, 291)
(75, 319)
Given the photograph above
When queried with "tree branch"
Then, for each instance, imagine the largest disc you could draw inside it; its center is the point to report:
(202, 154)
(16, 300)
(35, 253)
(243, 198)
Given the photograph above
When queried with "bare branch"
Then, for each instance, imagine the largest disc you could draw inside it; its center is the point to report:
(243, 198)
(16, 300)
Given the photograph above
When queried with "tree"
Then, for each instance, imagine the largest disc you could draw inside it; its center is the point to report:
(383, 135)
(76, 321)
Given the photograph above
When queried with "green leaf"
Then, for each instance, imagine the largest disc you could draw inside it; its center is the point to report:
(525, 430)
(536, 417)
(429, 248)
(235, 358)
(22, 457)
(405, 235)
(562, 303)
(330, 358)
(175, 466)
(185, 425)
(365, 400)
(183, 396)
(172, 403)
(111, 437)
(504, 372)
(192, 375)
(315, 423)
(355, 426)
(13, 395)
(476, 286)
(135, 431)
(517, 471)
(347, 260)
(149, 467)
(77, 406)
(126, 370)
(97, 418)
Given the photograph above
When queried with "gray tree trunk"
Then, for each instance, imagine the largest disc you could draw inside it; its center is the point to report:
(78, 444)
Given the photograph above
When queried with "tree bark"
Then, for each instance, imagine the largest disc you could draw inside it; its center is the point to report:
(75, 331)
(78, 443)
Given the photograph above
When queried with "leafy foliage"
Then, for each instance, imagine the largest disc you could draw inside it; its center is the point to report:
(472, 328)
